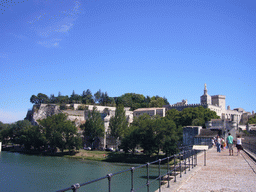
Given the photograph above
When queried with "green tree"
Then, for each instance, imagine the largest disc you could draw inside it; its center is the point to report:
(171, 137)
(87, 97)
(59, 132)
(97, 96)
(52, 99)
(2, 126)
(34, 99)
(252, 120)
(147, 134)
(6, 135)
(17, 129)
(93, 127)
(118, 124)
(191, 116)
(104, 99)
(32, 137)
(174, 114)
(40, 98)
(63, 99)
(154, 134)
(75, 98)
(43, 98)
(131, 139)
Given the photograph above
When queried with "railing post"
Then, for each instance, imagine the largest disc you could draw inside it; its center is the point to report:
(192, 158)
(180, 166)
(148, 177)
(132, 171)
(174, 168)
(159, 170)
(204, 157)
(109, 181)
(168, 169)
(189, 160)
(196, 157)
(75, 187)
(184, 156)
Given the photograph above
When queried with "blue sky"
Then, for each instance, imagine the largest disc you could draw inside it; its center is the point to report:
(152, 47)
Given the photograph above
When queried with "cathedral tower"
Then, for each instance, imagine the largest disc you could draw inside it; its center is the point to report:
(205, 98)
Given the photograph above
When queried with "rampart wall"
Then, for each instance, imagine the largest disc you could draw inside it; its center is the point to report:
(181, 107)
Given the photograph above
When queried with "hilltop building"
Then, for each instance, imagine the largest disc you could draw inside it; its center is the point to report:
(150, 111)
(230, 120)
(215, 103)
(106, 113)
(79, 113)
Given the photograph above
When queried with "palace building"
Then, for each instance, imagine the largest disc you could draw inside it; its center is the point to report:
(215, 103)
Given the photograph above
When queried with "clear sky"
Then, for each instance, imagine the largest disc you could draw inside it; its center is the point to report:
(168, 48)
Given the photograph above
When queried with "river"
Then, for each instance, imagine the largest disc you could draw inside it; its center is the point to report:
(25, 173)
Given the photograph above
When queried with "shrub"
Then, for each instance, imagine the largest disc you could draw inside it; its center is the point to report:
(63, 107)
(71, 107)
(81, 107)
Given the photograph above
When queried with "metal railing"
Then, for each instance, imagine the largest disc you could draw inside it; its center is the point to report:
(185, 159)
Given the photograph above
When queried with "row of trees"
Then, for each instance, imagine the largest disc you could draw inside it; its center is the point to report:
(150, 133)
(197, 116)
(132, 100)
(51, 133)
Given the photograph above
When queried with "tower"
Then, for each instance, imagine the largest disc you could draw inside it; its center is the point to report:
(219, 100)
(205, 98)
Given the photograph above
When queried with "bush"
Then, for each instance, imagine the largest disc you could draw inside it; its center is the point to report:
(63, 107)
(81, 107)
(71, 107)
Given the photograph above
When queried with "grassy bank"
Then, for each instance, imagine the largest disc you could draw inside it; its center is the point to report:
(139, 158)
(90, 155)
(107, 156)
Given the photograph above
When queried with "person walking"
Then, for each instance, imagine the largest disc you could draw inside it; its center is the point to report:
(239, 144)
(213, 141)
(222, 145)
(218, 143)
(230, 140)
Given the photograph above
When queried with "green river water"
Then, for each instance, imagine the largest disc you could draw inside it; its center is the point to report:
(20, 173)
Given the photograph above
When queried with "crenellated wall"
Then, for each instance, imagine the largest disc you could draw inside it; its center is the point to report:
(181, 107)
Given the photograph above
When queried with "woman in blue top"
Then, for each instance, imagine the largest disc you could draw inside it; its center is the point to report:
(230, 143)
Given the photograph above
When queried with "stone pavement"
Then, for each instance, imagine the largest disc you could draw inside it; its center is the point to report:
(222, 173)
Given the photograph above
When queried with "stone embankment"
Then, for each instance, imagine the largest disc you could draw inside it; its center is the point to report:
(222, 173)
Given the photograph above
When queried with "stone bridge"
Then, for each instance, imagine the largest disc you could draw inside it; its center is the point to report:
(222, 173)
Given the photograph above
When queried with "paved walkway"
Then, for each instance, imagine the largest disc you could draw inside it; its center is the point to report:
(222, 173)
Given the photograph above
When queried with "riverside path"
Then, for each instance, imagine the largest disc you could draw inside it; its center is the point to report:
(222, 173)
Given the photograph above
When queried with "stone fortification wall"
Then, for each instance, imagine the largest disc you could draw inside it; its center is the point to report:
(73, 112)
(181, 107)
(43, 111)
(77, 116)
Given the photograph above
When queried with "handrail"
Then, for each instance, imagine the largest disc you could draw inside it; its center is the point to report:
(185, 155)
(249, 146)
